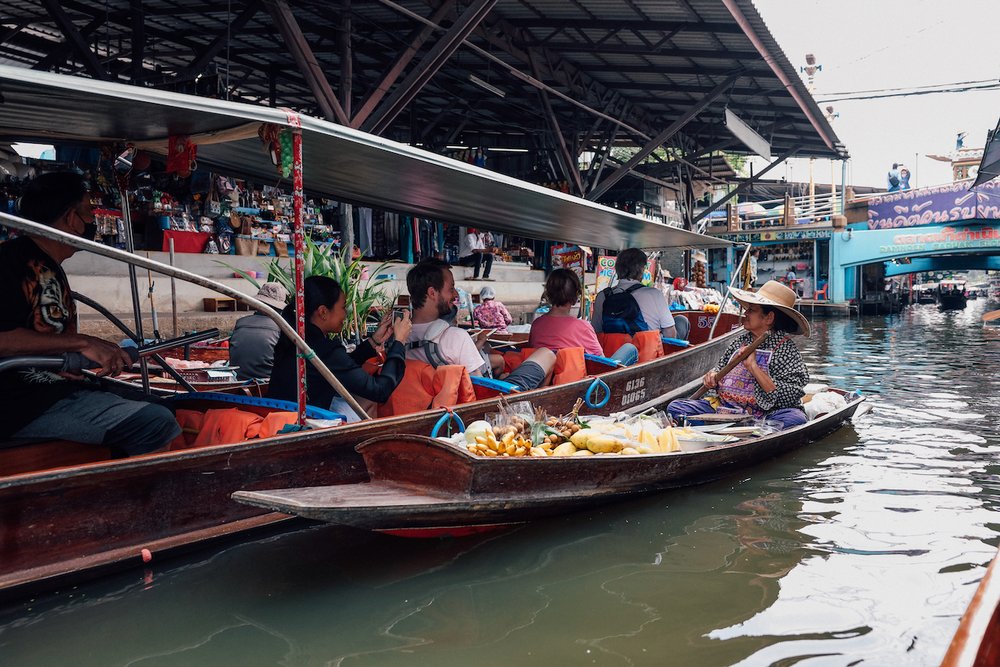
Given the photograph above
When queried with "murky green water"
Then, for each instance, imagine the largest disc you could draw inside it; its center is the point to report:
(863, 548)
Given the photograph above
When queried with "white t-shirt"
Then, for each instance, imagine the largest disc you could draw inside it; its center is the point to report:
(652, 304)
(455, 346)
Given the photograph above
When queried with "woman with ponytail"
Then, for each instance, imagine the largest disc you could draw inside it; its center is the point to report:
(324, 313)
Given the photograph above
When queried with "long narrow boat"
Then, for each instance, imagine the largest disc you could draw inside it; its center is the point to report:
(977, 641)
(69, 510)
(425, 485)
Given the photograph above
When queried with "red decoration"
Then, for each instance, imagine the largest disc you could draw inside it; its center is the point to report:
(182, 155)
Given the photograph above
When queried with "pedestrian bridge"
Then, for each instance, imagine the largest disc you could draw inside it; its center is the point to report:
(938, 228)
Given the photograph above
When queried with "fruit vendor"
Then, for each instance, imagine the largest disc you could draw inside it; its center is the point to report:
(769, 383)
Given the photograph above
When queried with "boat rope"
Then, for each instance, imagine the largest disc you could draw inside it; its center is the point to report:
(598, 383)
(449, 415)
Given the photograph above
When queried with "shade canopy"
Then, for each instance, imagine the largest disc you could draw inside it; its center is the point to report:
(340, 163)
(989, 167)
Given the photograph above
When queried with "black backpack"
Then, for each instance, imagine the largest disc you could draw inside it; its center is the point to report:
(621, 313)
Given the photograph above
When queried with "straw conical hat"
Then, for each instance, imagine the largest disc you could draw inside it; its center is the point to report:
(775, 295)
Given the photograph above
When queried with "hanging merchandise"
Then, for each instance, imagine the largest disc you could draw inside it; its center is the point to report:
(278, 142)
(182, 153)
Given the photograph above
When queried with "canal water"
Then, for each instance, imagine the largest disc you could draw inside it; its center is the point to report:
(861, 549)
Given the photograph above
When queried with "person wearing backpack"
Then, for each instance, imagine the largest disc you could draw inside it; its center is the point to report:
(629, 306)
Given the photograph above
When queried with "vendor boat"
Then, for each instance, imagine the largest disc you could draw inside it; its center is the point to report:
(69, 511)
(420, 486)
(952, 294)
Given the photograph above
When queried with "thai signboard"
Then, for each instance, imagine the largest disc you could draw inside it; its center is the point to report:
(764, 236)
(934, 206)
(879, 245)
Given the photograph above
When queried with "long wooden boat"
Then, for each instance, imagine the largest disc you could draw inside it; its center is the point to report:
(952, 294)
(59, 521)
(69, 510)
(420, 485)
(977, 641)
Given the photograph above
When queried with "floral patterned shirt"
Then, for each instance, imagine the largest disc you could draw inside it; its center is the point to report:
(491, 314)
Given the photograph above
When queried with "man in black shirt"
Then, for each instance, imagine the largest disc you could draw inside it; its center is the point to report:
(38, 317)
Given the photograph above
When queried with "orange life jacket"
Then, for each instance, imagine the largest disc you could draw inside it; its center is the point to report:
(424, 386)
(570, 366)
(649, 344)
(611, 342)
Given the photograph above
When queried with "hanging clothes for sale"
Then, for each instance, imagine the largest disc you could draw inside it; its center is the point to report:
(365, 231)
(392, 234)
(406, 239)
(378, 233)
(415, 236)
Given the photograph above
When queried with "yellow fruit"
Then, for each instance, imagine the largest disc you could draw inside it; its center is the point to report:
(629, 451)
(520, 451)
(537, 451)
(565, 449)
(472, 448)
(645, 449)
(647, 438)
(580, 437)
(600, 444)
(583, 452)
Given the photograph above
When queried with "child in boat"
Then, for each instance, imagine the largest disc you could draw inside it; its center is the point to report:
(325, 314)
(769, 383)
(490, 313)
(559, 329)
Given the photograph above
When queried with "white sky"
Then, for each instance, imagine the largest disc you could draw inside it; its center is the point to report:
(869, 44)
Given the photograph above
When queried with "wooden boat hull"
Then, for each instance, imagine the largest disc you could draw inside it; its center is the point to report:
(977, 641)
(75, 519)
(420, 482)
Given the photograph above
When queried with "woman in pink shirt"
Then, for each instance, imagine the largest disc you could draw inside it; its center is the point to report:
(558, 329)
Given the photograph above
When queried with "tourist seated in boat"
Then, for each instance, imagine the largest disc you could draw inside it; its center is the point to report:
(38, 317)
(436, 342)
(491, 313)
(768, 384)
(251, 347)
(559, 329)
(325, 311)
(629, 306)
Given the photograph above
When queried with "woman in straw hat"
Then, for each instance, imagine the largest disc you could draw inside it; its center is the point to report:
(769, 382)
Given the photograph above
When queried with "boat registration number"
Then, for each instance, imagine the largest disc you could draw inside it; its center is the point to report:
(635, 391)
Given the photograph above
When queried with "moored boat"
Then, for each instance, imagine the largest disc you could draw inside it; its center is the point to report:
(977, 641)
(952, 294)
(421, 485)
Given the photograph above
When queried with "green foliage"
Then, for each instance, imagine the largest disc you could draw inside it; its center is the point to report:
(362, 296)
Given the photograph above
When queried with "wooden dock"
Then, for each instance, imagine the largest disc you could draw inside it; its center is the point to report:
(826, 308)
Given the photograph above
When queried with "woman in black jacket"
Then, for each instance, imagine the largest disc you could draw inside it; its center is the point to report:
(325, 313)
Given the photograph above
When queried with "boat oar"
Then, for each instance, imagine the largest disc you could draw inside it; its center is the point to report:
(992, 315)
(733, 363)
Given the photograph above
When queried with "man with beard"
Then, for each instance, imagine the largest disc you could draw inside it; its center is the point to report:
(435, 341)
(38, 317)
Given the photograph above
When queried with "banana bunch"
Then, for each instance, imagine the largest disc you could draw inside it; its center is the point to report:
(509, 444)
(711, 308)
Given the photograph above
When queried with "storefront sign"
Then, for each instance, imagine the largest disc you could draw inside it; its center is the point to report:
(928, 206)
(946, 238)
(569, 257)
(605, 271)
(783, 235)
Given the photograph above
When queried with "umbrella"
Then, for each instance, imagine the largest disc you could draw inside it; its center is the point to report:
(989, 168)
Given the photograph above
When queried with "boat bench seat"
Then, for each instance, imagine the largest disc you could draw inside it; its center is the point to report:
(18, 457)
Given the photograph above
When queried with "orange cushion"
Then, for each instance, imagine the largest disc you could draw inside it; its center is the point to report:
(570, 366)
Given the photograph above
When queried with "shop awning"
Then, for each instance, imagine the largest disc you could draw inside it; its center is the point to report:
(338, 162)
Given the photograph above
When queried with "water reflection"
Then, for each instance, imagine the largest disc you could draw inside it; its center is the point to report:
(862, 547)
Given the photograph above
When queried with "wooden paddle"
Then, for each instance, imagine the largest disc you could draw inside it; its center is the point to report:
(992, 315)
(736, 361)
